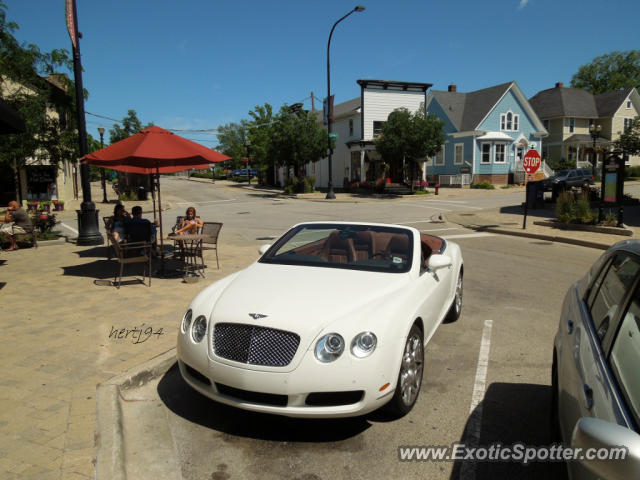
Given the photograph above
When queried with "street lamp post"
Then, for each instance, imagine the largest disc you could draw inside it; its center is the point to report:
(247, 144)
(594, 131)
(330, 193)
(103, 180)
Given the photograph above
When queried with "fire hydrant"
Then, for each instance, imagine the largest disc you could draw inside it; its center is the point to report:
(437, 187)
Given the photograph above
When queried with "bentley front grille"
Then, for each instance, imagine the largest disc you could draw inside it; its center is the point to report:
(254, 345)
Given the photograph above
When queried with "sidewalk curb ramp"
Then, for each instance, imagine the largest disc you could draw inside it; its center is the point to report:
(110, 456)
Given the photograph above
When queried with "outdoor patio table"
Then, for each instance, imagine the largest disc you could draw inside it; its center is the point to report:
(190, 249)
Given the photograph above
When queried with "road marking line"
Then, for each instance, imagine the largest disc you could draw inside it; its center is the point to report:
(468, 469)
(70, 228)
(422, 205)
(419, 221)
(461, 204)
(470, 235)
(441, 229)
(205, 202)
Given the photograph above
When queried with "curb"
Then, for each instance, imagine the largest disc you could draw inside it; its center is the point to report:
(109, 439)
(586, 228)
(538, 236)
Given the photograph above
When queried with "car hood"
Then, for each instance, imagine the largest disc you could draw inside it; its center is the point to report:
(302, 299)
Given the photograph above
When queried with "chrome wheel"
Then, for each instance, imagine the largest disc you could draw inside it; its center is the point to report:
(411, 369)
(458, 299)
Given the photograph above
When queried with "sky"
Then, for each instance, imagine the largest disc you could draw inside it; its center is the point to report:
(198, 64)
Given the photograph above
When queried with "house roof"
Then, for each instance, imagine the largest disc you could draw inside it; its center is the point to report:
(467, 110)
(385, 84)
(575, 102)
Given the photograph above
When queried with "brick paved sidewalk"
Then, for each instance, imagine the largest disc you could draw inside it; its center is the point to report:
(56, 347)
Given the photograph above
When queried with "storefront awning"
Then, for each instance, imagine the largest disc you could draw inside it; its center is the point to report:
(496, 137)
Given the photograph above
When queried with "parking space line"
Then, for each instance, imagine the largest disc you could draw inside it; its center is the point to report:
(469, 235)
(467, 472)
(70, 228)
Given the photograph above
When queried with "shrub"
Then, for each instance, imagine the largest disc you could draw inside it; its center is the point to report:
(291, 186)
(632, 172)
(583, 212)
(202, 174)
(309, 183)
(565, 207)
(380, 184)
(44, 222)
(483, 185)
(421, 192)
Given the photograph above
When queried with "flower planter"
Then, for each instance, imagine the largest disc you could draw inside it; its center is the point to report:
(32, 206)
(59, 207)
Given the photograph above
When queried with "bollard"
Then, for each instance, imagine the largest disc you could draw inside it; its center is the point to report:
(437, 187)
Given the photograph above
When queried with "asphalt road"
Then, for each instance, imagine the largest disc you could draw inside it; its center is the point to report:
(513, 293)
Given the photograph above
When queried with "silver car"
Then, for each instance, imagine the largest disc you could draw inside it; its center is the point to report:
(596, 364)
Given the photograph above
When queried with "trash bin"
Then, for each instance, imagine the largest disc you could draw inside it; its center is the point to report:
(535, 194)
(142, 194)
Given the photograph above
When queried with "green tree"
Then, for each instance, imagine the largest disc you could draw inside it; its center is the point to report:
(231, 141)
(297, 139)
(629, 141)
(131, 125)
(23, 86)
(612, 71)
(410, 136)
(259, 133)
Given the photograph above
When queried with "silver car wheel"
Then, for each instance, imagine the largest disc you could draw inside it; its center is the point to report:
(411, 369)
(458, 300)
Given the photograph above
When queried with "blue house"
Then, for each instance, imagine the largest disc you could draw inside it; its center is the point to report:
(487, 134)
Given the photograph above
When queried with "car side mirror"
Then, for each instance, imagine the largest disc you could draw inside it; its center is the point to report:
(594, 433)
(437, 261)
(263, 249)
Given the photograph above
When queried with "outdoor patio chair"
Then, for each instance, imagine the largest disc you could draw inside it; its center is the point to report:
(107, 229)
(210, 233)
(25, 237)
(131, 252)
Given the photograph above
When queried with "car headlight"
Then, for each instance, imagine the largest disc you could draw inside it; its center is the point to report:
(363, 344)
(199, 328)
(329, 347)
(186, 321)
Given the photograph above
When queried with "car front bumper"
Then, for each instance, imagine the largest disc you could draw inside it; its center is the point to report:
(348, 387)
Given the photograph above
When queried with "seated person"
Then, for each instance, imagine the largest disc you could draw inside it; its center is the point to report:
(190, 224)
(116, 223)
(136, 234)
(16, 221)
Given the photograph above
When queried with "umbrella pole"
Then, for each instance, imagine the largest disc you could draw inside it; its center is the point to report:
(160, 215)
(153, 195)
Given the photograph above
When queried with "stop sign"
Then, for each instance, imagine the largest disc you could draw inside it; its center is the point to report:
(531, 161)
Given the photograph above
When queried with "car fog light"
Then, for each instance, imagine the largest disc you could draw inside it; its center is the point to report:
(363, 344)
(186, 321)
(199, 328)
(329, 347)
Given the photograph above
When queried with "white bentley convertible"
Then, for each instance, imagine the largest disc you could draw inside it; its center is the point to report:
(331, 321)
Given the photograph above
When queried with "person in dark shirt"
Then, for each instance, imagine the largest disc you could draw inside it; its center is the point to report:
(16, 221)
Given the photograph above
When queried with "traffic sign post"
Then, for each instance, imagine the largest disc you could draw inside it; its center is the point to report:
(531, 164)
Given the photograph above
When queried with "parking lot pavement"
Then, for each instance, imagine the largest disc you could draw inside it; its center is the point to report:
(63, 335)
(516, 285)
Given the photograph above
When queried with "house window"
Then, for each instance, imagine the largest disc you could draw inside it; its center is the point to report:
(509, 121)
(377, 128)
(351, 127)
(438, 160)
(500, 153)
(572, 124)
(459, 154)
(628, 104)
(486, 153)
(627, 124)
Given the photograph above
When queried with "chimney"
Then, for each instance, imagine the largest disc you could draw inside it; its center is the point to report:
(452, 88)
(559, 84)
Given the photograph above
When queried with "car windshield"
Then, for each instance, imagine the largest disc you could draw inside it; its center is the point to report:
(353, 247)
(562, 173)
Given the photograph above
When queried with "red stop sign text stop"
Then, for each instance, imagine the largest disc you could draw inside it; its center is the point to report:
(531, 161)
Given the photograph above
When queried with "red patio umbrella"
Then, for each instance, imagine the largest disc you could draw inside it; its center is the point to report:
(155, 150)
